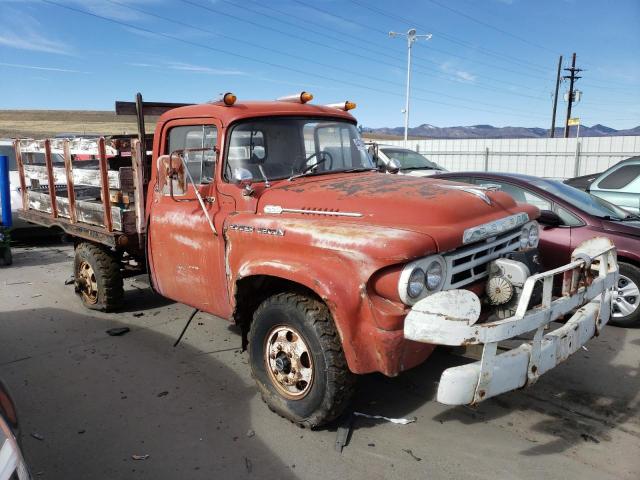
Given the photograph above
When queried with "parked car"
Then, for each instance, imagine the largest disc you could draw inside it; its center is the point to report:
(620, 184)
(12, 464)
(406, 161)
(569, 217)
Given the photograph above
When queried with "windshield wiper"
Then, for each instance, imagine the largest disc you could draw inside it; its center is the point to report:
(609, 217)
(426, 167)
(327, 172)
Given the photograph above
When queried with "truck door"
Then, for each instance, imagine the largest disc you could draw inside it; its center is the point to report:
(185, 255)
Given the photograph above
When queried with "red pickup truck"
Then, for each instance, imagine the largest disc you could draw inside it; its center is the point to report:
(272, 215)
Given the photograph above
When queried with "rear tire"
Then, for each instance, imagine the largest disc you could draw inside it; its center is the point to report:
(98, 279)
(297, 360)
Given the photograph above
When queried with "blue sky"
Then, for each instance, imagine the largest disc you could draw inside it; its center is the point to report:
(489, 61)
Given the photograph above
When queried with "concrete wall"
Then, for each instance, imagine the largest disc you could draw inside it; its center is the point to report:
(544, 157)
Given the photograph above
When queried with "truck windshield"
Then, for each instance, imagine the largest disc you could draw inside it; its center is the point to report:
(286, 147)
(410, 160)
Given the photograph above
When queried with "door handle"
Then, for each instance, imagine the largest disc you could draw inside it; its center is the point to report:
(210, 199)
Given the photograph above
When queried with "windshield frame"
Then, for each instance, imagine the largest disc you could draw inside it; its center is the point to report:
(310, 118)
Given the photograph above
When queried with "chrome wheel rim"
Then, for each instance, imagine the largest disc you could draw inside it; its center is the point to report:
(288, 361)
(627, 298)
(88, 283)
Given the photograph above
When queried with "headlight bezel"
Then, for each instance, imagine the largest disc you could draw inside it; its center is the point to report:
(423, 264)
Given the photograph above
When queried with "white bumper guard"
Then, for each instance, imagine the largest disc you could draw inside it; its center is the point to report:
(449, 318)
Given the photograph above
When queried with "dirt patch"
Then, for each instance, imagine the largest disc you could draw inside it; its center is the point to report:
(48, 123)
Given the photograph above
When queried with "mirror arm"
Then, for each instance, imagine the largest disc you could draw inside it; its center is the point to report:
(195, 190)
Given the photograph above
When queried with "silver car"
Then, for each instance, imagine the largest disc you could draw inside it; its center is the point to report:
(620, 184)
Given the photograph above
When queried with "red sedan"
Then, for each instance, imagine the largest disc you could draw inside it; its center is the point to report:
(568, 217)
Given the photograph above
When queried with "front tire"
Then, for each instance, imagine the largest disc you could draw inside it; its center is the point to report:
(98, 279)
(626, 299)
(297, 360)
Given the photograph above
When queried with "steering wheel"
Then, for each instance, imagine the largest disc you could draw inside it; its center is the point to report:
(322, 155)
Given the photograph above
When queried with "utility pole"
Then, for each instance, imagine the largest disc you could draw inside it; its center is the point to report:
(552, 133)
(411, 38)
(572, 78)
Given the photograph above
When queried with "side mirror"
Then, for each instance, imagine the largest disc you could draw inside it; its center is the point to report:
(243, 178)
(549, 218)
(393, 166)
(171, 177)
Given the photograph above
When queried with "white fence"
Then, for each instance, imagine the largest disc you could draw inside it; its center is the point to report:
(543, 157)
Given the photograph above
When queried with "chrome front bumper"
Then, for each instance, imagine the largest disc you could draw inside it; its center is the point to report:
(449, 318)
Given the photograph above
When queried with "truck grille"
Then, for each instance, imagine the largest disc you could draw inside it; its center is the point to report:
(469, 264)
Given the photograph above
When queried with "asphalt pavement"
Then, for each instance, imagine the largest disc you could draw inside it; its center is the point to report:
(95, 406)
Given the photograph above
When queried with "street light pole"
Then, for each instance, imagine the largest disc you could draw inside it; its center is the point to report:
(411, 38)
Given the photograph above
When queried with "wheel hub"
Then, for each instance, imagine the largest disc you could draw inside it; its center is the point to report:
(288, 362)
(283, 365)
(628, 298)
(86, 283)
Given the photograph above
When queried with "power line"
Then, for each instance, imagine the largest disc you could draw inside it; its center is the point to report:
(252, 59)
(377, 50)
(493, 27)
(450, 38)
(298, 57)
(376, 60)
(348, 52)
(431, 47)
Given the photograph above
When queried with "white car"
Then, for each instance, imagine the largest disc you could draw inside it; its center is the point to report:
(409, 162)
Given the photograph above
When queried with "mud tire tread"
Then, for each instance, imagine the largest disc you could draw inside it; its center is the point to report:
(108, 276)
(341, 382)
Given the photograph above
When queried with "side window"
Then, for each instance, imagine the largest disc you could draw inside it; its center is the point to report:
(568, 219)
(620, 178)
(197, 143)
(335, 141)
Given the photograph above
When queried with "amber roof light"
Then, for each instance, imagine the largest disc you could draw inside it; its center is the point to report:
(302, 97)
(229, 99)
(346, 106)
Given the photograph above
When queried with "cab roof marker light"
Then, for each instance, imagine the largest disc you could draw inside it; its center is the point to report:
(346, 106)
(228, 99)
(302, 97)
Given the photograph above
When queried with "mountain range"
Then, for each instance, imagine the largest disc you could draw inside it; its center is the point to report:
(489, 131)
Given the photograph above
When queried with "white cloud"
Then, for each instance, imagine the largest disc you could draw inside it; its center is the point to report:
(38, 67)
(201, 69)
(458, 74)
(188, 67)
(26, 34)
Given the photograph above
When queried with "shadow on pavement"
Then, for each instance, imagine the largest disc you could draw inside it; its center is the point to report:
(98, 402)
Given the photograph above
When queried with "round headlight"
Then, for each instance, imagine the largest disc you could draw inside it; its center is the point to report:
(416, 285)
(524, 237)
(433, 277)
(534, 235)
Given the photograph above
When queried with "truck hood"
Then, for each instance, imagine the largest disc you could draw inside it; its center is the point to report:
(438, 208)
